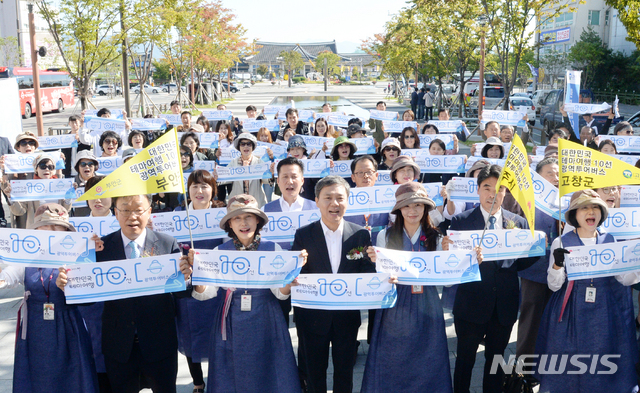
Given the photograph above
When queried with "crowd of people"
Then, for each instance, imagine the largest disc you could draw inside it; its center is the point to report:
(129, 344)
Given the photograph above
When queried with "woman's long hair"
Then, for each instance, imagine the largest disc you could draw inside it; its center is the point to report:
(395, 233)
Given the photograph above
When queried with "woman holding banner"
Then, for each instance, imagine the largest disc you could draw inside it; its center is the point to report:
(193, 317)
(53, 349)
(250, 351)
(246, 143)
(413, 329)
(591, 318)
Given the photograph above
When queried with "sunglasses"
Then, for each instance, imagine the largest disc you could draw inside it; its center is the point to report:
(184, 154)
(246, 144)
(110, 142)
(44, 166)
(27, 142)
(409, 137)
(387, 149)
(85, 164)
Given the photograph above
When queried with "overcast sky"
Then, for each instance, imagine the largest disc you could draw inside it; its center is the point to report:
(346, 21)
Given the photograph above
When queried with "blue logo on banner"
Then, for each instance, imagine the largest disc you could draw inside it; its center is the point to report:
(155, 267)
(67, 242)
(374, 283)
(337, 287)
(238, 265)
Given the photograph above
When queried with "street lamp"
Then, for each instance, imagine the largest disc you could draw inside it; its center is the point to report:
(482, 21)
(34, 67)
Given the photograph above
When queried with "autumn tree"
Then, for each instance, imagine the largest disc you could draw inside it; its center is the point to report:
(262, 70)
(629, 15)
(332, 62)
(10, 55)
(292, 61)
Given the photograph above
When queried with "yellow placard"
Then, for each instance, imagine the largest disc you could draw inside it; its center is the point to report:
(516, 176)
(582, 168)
(155, 169)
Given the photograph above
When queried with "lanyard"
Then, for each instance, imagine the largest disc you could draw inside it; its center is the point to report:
(47, 289)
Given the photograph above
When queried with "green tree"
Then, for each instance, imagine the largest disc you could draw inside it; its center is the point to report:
(292, 62)
(332, 62)
(587, 55)
(262, 70)
(554, 65)
(10, 55)
(629, 15)
(88, 36)
(163, 69)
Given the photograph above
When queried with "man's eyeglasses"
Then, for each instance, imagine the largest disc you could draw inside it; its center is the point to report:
(44, 166)
(85, 164)
(27, 142)
(129, 213)
(365, 174)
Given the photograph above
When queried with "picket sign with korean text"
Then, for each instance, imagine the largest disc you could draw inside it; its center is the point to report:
(208, 140)
(101, 124)
(313, 169)
(581, 108)
(306, 115)
(78, 193)
(363, 291)
(34, 248)
(317, 142)
(511, 118)
(55, 142)
(463, 189)
(102, 226)
(383, 115)
(208, 166)
(275, 109)
(501, 244)
(148, 124)
(115, 113)
(622, 223)
(447, 126)
(480, 146)
(442, 164)
(279, 151)
(384, 178)
(211, 114)
(602, 260)
(42, 190)
(624, 143)
(205, 224)
(128, 278)
(473, 159)
(415, 153)
(23, 163)
(630, 196)
(546, 196)
(338, 120)
(398, 126)
(428, 268)
(342, 168)
(282, 226)
(252, 125)
(106, 165)
(241, 269)
(174, 120)
(238, 173)
(365, 145)
(425, 140)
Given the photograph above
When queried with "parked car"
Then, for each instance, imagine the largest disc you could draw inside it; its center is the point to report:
(246, 84)
(103, 90)
(173, 87)
(538, 98)
(523, 104)
(147, 89)
(234, 89)
(635, 123)
(521, 94)
(493, 95)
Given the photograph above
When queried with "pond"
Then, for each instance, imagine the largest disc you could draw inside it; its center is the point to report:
(338, 104)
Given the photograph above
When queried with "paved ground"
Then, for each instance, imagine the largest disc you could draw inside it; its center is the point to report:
(259, 95)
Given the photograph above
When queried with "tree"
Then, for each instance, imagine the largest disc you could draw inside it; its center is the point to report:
(10, 55)
(554, 64)
(262, 70)
(163, 69)
(88, 36)
(587, 55)
(629, 15)
(332, 62)
(292, 62)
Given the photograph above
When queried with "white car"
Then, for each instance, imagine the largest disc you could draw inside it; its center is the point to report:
(523, 104)
(173, 87)
(147, 88)
(107, 89)
(246, 84)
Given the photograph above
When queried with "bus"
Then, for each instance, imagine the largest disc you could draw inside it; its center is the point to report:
(56, 89)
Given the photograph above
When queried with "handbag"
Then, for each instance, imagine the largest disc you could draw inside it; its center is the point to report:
(518, 383)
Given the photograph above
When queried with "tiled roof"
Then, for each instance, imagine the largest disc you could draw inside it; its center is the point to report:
(270, 51)
(359, 58)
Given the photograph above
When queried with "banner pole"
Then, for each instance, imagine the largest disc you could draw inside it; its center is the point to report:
(186, 208)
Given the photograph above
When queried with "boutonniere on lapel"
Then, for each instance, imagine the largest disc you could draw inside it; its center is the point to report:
(355, 253)
(511, 224)
(423, 241)
(151, 253)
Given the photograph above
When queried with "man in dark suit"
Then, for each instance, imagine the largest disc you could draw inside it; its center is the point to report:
(486, 310)
(139, 338)
(328, 242)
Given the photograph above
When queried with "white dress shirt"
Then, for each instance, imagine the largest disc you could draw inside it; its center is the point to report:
(294, 207)
(334, 244)
(498, 217)
(139, 243)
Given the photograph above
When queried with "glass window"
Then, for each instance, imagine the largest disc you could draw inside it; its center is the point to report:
(25, 82)
(594, 18)
(521, 102)
(494, 93)
(606, 18)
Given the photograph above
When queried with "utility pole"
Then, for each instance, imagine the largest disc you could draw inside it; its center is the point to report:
(324, 71)
(34, 69)
(125, 64)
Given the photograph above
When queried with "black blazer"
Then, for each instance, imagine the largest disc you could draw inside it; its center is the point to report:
(152, 317)
(499, 288)
(311, 238)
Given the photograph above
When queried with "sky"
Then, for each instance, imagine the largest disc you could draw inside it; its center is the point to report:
(347, 22)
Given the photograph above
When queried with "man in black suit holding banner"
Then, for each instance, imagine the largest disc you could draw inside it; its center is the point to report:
(328, 243)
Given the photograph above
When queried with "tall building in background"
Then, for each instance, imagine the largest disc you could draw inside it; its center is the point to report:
(563, 31)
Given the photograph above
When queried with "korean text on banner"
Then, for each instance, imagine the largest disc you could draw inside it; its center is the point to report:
(205, 224)
(23, 163)
(582, 168)
(124, 279)
(102, 226)
(428, 268)
(32, 248)
(155, 169)
(364, 291)
(602, 260)
(501, 244)
(240, 269)
(42, 190)
(282, 226)
(572, 96)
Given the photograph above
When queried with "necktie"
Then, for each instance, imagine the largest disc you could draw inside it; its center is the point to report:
(492, 222)
(135, 253)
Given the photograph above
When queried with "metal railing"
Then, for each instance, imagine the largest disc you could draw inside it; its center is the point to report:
(628, 97)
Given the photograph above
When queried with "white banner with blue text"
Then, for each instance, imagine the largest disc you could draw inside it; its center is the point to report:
(602, 260)
(282, 226)
(23, 163)
(63, 141)
(383, 115)
(238, 173)
(425, 140)
(205, 224)
(624, 143)
(252, 125)
(33, 248)
(447, 126)
(510, 118)
(398, 126)
(442, 164)
(101, 124)
(42, 190)
(102, 226)
(148, 124)
(501, 244)
(313, 169)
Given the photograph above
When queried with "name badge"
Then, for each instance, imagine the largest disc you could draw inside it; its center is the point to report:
(416, 289)
(590, 296)
(245, 303)
(48, 312)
